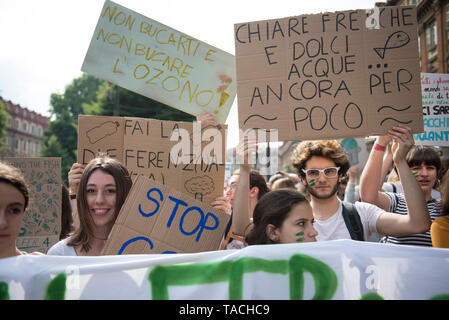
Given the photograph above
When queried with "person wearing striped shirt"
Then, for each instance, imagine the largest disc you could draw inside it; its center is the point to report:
(425, 164)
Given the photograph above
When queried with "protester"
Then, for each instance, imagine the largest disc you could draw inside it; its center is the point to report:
(322, 164)
(351, 193)
(103, 187)
(282, 216)
(439, 229)
(393, 184)
(284, 183)
(14, 197)
(420, 163)
(257, 188)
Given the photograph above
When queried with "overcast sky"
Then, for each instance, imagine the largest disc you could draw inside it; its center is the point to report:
(43, 42)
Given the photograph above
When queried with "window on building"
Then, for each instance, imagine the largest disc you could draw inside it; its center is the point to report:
(431, 46)
(39, 130)
(33, 129)
(17, 123)
(25, 126)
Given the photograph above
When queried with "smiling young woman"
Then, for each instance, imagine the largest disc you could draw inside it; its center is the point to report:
(103, 187)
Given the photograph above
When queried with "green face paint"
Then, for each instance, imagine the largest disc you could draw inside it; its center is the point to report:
(416, 173)
(312, 182)
(300, 239)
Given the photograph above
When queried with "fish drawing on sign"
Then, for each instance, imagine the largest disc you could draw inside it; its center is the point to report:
(396, 40)
(101, 131)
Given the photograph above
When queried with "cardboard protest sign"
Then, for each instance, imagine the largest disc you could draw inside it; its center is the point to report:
(156, 61)
(182, 155)
(435, 108)
(41, 225)
(331, 75)
(158, 219)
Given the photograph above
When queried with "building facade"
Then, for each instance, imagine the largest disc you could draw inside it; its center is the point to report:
(433, 32)
(25, 131)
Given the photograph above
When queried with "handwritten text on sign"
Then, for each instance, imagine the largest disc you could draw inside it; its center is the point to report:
(157, 219)
(330, 75)
(435, 108)
(158, 62)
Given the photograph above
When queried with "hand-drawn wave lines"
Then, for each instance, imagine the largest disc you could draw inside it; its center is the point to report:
(258, 115)
(395, 109)
(389, 118)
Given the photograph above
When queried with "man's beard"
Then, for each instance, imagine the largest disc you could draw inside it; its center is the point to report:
(330, 195)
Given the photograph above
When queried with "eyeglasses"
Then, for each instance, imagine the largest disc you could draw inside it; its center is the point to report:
(330, 172)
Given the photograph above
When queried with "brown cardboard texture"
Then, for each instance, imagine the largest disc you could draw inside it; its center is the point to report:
(41, 225)
(331, 75)
(161, 63)
(172, 153)
(158, 219)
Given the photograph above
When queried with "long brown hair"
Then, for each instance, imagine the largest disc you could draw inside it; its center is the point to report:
(123, 184)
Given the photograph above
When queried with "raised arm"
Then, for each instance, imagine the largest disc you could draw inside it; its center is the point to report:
(418, 219)
(369, 180)
(241, 216)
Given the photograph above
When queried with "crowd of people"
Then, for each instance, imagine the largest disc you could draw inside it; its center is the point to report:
(402, 198)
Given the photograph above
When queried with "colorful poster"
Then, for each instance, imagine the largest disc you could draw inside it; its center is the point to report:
(435, 109)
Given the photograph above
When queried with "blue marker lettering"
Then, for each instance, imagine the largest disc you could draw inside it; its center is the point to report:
(197, 227)
(161, 197)
(175, 209)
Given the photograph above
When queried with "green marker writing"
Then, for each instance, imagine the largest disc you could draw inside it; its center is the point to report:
(301, 239)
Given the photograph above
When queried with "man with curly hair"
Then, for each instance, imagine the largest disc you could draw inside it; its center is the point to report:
(321, 165)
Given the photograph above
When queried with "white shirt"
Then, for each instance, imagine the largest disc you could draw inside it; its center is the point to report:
(334, 228)
(62, 249)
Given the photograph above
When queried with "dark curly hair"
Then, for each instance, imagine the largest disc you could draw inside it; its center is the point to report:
(330, 149)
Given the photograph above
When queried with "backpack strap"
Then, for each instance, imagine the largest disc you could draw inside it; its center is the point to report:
(352, 221)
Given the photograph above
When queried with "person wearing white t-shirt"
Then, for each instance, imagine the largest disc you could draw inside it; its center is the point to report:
(322, 164)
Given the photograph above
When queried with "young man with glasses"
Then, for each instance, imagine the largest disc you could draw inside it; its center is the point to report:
(322, 164)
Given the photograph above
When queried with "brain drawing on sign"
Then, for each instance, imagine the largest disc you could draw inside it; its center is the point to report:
(331, 75)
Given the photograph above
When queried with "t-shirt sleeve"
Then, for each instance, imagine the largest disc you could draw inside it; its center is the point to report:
(61, 249)
(369, 213)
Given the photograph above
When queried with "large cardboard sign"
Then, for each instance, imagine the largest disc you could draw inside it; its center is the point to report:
(158, 219)
(41, 225)
(332, 75)
(156, 61)
(338, 269)
(435, 108)
(182, 155)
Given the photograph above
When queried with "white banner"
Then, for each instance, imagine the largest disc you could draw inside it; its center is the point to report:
(339, 269)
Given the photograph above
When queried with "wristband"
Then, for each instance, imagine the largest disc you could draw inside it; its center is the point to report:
(73, 196)
(379, 147)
